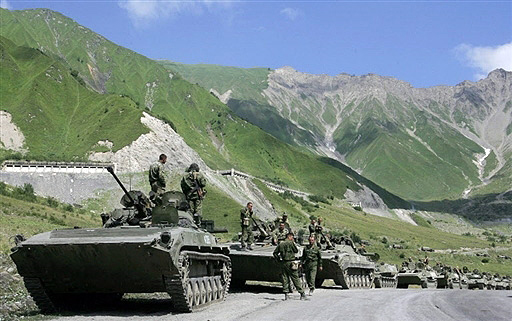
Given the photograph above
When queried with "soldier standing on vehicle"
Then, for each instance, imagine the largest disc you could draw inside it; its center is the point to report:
(280, 234)
(157, 178)
(311, 262)
(192, 185)
(245, 220)
(319, 235)
(311, 227)
(285, 254)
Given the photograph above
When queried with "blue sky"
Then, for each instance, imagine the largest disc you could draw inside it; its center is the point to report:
(425, 43)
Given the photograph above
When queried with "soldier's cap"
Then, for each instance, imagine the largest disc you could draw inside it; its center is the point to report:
(193, 167)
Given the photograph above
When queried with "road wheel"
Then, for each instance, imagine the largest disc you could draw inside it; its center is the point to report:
(202, 291)
(208, 283)
(197, 293)
(215, 293)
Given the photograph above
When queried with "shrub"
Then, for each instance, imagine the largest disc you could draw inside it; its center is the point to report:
(52, 202)
(485, 260)
(355, 238)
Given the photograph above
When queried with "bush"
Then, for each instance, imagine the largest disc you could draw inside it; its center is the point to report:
(486, 260)
(319, 199)
(52, 202)
(355, 238)
(68, 208)
(402, 256)
(384, 240)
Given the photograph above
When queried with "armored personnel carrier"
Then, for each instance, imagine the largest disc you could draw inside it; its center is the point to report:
(386, 276)
(446, 277)
(140, 250)
(341, 264)
(346, 267)
(476, 280)
(417, 274)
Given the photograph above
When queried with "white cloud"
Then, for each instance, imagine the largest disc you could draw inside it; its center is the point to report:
(5, 4)
(291, 13)
(485, 59)
(143, 12)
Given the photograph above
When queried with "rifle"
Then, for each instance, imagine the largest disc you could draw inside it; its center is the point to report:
(262, 231)
(198, 188)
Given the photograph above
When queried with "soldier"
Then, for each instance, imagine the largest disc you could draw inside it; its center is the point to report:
(280, 234)
(312, 226)
(192, 185)
(157, 178)
(245, 221)
(319, 235)
(285, 254)
(283, 219)
(311, 262)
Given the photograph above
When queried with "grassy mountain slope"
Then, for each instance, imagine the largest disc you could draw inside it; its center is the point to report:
(50, 105)
(222, 139)
(408, 145)
(245, 99)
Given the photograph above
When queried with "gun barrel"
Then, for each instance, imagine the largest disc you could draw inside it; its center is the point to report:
(111, 171)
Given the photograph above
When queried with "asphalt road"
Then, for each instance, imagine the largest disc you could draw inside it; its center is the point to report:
(261, 303)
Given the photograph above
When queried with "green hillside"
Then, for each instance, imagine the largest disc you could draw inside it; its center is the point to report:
(221, 138)
(246, 101)
(59, 116)
(410, 149)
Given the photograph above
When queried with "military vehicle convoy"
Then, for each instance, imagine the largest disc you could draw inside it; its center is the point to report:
(139, 250)
(386, 276)
(416, 274)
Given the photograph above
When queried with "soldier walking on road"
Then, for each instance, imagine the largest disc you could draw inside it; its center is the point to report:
(285, 254)
(157, 179)
(311, 262)
(245, 220)
(192, 185)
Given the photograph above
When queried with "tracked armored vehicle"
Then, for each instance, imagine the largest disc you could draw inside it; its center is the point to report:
(341, 264)
(446, 277)
(476, 280)
(386, 276)
(416, 274)
(140, 250)
(346, 267)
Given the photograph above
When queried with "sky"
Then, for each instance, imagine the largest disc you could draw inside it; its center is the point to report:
(425, 43)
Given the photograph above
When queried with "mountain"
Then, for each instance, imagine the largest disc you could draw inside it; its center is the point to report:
(444, 142)
(49, 104)
(209, 127)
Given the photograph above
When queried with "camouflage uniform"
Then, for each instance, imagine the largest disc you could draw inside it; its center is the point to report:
(311, 261)
(280, 220)
(279, 236)
(311, 228)
(157, 178)
(285, 254)
(245, 221)
(189, 188)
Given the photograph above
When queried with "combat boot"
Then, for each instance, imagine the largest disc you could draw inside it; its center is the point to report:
(303, 296)
(286, 296)
(311, 291)
(249, 247)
